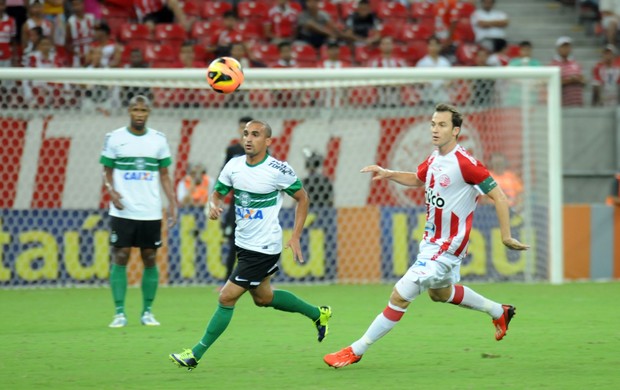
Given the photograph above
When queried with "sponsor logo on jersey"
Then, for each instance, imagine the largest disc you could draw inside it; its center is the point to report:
(140, 163)
(434, 199)
(244, 199)
(133, 175)
(444, 180)
(245, 213)
(285, 169)
(429, 228)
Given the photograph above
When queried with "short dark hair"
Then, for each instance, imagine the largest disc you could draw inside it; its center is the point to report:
(525, 44)
(229, 14)
(139, 99)
(245, 119)
(283, 44)
(457, 117)
(433, 38)
(265, 126)
(103, 26)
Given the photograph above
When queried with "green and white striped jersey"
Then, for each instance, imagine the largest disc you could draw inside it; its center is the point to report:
(136, 160)
(258, 199)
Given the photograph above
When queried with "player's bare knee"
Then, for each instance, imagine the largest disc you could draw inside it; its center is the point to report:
(149, 257)
(262, 301)
(439, 295)
(397, 300)
(121, 255)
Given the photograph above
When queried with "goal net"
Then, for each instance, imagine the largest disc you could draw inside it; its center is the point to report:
(54, 229)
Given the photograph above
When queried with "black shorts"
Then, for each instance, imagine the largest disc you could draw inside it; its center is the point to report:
(253, 267)
(127, 233)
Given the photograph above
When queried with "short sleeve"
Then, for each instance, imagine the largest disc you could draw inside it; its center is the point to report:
(423, 169)
(164, 156)
(108, 154)
(475, 173)
(224, 182)
(287, 180)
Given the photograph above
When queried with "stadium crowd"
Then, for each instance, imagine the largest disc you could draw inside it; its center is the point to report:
(290, 33)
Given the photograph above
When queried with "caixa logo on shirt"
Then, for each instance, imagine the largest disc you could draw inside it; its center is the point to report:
(434, 199)
(134, 175)
(245, 213)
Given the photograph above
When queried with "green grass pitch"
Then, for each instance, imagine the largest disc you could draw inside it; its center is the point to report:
(563, 337)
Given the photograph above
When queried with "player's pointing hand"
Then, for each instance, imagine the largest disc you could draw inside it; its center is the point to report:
(380, 173)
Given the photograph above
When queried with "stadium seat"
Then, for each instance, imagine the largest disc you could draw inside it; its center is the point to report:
(205, 30)
(413, 51)
(513, 51)
(416, 32)
(252, 10)
(215, 9)
(131, 32)
(192, 8)
(347, 8)
(343, 55)
(331, 9)
(421, 10)
(161, 53)
(390, 10)
(127, 49)
(170, 33)
(201, 54)
(463, 9)
(265, 52)
(363, 53)
(305, 55)
(391, 29)
(463, 31)
(250, 30)
(466, 53)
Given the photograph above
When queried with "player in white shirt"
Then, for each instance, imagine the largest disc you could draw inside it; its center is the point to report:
(258, 181)
(136, 160)
(454, 181)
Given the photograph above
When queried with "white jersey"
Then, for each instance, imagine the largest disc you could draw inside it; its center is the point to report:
(258, 199)
(453, 183)
(136, 160)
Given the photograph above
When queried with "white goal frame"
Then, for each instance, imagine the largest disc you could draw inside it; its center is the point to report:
(318, 78)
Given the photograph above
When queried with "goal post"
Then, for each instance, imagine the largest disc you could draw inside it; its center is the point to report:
(53, 225)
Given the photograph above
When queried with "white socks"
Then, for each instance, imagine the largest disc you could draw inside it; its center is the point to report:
(466, 297)
(384, 322)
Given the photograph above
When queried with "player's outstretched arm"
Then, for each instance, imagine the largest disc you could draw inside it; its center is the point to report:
(503, 216)
(409, 179)
(301, 213)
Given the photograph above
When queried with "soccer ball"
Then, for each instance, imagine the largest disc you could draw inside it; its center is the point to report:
(225, 75)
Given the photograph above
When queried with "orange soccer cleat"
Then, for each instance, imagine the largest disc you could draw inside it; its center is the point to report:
(501, 324)
(342, 358)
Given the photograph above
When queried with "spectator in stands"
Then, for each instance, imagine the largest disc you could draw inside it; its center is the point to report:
(610, 19)
(573, 80)
(606, 79)
(187, 57)
(386, 58)
(361, 24)
(315, 26)
(614, 196)
(435, 91)
(445, 21)
(482, 90)
(285, 59)
(36, 19)
(318, 186)
(525, 56)
(8, 34)
(54, 11)
(33, 37)
(44, 56)
(152, 12)
(239, 52)
(136, 60)
(281, 22)
(227, 36)
(80, 33)
(333, 57)
(17, 9)
(500, 55)
(490, 25)
(195, 187)
(110, 50)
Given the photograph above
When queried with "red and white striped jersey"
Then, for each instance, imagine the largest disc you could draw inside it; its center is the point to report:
(608, 78)
(82, 32)
(107, 51)
(7, 33)
(145, 7)
(453, 184)
(572, 94)
(37, 60)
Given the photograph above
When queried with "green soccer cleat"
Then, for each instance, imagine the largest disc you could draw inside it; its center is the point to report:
(321, 322)
(184, 359)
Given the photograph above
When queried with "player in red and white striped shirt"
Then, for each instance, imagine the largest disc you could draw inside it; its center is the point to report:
(80, 33)
(281, 22)
(454, 181)
(8, 31)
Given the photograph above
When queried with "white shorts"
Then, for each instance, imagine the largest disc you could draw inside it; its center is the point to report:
(427, 273)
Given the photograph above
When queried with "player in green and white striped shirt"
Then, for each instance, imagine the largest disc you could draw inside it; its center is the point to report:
(136, 160)
(258, 181)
